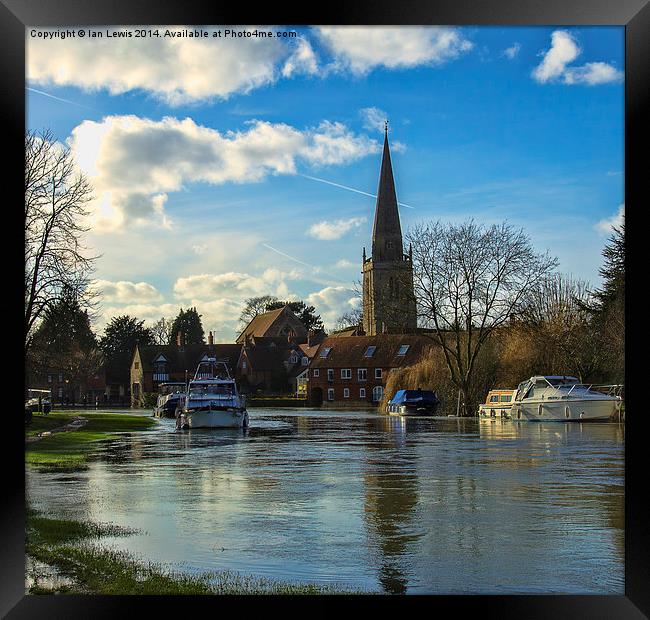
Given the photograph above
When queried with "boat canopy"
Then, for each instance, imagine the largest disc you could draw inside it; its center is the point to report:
(405, 396)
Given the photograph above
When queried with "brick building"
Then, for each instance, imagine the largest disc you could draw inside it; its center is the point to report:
(352, 370)
(152, 365)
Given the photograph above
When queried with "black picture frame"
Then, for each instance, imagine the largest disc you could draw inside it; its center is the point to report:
(633, 14)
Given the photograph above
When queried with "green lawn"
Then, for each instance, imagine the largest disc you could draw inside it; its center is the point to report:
(70, 450)
(91, 569)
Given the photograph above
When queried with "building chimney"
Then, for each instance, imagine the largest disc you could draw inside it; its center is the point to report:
(310, 337)
(210, 338)
(179, 339)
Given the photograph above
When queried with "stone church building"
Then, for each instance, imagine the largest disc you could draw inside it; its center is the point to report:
(388, 298)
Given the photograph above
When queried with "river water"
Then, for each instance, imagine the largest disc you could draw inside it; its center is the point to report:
(420, 505)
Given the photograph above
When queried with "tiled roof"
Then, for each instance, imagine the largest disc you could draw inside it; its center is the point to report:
(260, 324)
(350, 351)
(180, 359)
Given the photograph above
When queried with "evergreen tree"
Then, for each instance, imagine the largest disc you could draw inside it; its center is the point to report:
(188, 322)
(118, 343)
(64, 340)
(609, 308)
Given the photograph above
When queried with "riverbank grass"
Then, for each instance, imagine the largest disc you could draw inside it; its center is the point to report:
(70, 450)
(63, 546)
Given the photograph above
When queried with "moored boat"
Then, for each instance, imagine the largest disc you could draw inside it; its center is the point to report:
(498, 404)
(212, 399)
(413, 402)
(170, 397)
(565, 399)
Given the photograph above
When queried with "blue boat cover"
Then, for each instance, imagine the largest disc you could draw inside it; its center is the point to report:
(405, 396)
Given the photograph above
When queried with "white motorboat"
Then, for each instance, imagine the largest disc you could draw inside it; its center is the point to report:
(498, 404)
(212, 399)
(169, 399)
(565, 398)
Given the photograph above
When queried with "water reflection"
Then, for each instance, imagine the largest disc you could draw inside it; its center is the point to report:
(431, 505)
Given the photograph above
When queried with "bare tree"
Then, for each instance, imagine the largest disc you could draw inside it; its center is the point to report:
(56, 195)
(162, 331)
(254, 306)
(469, 279)
(557, 316)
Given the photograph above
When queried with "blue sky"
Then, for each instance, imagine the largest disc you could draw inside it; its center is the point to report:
(205, 154)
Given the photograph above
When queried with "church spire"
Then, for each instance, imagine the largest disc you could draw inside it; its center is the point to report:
(386, 232)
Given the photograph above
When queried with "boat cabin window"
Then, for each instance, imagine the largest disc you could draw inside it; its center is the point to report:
(506, 398)
(219, 389)
(494, 398)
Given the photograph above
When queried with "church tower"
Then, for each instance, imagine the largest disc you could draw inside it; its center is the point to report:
(388, 300)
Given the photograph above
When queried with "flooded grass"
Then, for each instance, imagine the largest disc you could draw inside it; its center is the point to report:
(69, 451)
(62, 562)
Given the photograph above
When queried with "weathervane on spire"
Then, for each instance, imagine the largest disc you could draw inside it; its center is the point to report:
(386, 125)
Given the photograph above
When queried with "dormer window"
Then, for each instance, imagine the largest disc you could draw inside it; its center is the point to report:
(403, 349)
(293, 359)
(370, 351)
(325, 352)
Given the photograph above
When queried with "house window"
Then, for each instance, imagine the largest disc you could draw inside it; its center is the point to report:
(293, 359)
(346, 373)
(325, 352)
(377, 393)
(370, 351)
(136, 365)
(305, 361)
(244, 364)
(330, 394)
(362, 374)
(346, 392)
(49, 378)
(60, 377)
(362, 392)
(403, 349)
(377, 373)
(316, 372)
(330, 374)
(60, 392)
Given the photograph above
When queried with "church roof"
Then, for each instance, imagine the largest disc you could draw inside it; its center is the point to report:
(386, 227)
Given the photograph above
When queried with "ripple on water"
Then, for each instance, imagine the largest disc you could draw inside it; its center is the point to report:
(403, 505)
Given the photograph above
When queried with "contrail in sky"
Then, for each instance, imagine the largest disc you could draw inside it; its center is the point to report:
(40, 92)
(351, 189)
(295, 260)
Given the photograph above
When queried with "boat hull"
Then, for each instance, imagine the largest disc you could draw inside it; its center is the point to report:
(583, 410)
(406, 410)
(222, 418)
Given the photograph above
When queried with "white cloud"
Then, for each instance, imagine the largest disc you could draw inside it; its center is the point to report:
(333, 301)
(344, 263)
(176, 70)
(512, 51)
(135, 162)
(593, 73)
(361, 49)
(328, 231)
(126, 292)
(233, 285)
(606, 225)
(564, 50)
(302, 60)
(373, 118)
